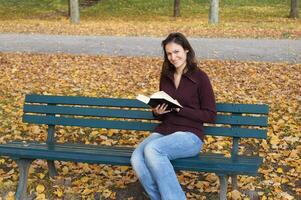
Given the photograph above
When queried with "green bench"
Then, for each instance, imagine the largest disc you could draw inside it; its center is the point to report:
(237, 121)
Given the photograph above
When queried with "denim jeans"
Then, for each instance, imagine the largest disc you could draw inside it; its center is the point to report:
(151, 162)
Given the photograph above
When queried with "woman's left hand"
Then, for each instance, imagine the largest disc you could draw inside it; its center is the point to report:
(161, 109)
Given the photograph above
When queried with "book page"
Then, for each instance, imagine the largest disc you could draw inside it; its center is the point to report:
(143, 98)
(164, 95)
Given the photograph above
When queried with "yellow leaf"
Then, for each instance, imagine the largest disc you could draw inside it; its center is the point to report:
(284, 180)
(35, 129)
(235, 195)
(264, 144)
(58, 192)
(209, 140)
(286, 196)
(84, 179)
(40, 188)
(124, 168)
(199, 185)
(65, 170)
(211, 178)
(10, 172)
(294, 154)
(281, 122)
(106, 193)
(41, 175)
(87, 191)
(40, 197)
(274, 140)
(110, 132)
(10, 196)
(93, 134)
(280, 170)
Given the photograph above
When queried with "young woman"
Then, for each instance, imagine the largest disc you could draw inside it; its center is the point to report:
(181, 132)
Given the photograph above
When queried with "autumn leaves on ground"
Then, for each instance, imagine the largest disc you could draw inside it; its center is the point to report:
(283, 28)
(277, 85)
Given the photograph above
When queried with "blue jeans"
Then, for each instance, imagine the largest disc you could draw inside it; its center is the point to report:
(151, 162)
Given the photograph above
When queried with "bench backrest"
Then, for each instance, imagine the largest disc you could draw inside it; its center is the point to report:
(233, 120)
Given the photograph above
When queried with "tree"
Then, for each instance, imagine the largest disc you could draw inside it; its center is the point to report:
(74, 11)
(213, 12)
(69, 12)
(176, 12)
(294, 13)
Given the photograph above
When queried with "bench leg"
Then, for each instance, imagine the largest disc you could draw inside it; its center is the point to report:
(51, 168)
(23, 165)
(223, 187)
(234, 182)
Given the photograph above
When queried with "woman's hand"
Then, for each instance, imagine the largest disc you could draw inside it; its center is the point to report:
(161, 109)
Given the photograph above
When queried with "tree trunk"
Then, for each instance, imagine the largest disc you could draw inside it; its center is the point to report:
(74, 11)
(294, 13)
(69, 11)
(213, 12)
(176, 12)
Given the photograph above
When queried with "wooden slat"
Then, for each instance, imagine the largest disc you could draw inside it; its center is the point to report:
(217, 164)
(91, 101)
(235, 132)
(84, 111)
(132, 103)
(134, 114)
(93, 123)
(111, 150)
(122, 150)
(141, 126)
(243, 108)
(241, 120)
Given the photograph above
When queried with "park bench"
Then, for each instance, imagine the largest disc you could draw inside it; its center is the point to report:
(237, 121)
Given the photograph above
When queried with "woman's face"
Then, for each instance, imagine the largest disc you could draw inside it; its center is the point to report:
(176, 55)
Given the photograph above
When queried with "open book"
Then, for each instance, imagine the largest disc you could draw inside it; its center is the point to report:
(159, 98)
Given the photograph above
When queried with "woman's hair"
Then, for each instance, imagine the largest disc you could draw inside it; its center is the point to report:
(179, 39)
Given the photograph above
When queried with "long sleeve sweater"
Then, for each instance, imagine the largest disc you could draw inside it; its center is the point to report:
(196, 95)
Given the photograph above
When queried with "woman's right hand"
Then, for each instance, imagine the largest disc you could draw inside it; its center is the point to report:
(161, 109)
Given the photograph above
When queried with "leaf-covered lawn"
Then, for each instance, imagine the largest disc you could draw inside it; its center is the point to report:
(247, 82)
(238, 18)
(159, 27)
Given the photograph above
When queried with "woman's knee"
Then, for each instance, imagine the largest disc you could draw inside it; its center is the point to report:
(152, 151)
(136, 158)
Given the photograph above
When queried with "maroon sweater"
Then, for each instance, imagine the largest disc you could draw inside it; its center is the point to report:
(196, 96)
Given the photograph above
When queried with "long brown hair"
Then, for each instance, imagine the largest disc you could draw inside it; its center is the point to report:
(179, 39)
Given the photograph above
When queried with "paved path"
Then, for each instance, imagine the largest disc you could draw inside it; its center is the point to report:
(222, 49)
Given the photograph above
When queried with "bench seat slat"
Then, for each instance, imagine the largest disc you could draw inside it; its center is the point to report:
(133, 114)
(140, 126)
(107, 150)
(132, 103)
(111, 155)
(104, 149)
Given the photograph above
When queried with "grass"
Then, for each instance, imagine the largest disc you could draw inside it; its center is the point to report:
(141, 9)
(29, 9)
(238, 18)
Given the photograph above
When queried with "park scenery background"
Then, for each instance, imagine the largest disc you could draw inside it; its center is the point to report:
(275, 84)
